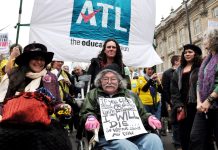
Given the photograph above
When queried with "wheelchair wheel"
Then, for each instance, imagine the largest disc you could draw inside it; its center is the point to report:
(83, 144)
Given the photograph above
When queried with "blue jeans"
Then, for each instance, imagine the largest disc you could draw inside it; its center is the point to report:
(141, 142)
(154, 110)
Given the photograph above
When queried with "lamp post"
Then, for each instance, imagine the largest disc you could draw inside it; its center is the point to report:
(187, 19)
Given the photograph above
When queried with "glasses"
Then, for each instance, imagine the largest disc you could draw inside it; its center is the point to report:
(111, 47)
(106, 80)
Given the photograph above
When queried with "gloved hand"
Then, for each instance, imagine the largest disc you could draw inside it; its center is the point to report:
(154, 122)
(91, 123)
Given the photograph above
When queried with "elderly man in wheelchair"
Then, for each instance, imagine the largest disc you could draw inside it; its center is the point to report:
(117, 117)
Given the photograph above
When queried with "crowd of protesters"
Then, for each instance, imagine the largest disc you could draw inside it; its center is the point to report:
(181, 100)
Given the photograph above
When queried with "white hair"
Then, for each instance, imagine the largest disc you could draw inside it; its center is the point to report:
(97, 82)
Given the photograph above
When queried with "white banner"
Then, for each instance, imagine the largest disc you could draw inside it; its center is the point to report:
(120, 118)
(76, 29)
(4, 43)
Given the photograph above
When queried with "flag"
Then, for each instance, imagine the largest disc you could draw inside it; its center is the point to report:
(75, 30)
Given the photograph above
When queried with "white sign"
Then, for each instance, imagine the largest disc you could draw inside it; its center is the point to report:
(4, 43)
(120, 118)
(213, 23)
(76, 29)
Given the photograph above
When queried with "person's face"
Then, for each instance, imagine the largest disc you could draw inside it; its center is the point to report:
(66, 68)
(177, 62)
(78, 71)
(189, 55)
(109, 83)
(110, 49)
(149, 71)
(37, 64)
(57, 65)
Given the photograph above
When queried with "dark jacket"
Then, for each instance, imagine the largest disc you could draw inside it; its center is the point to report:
(95, 67)
(166, 81)
(91, 105)
(166, 94)
(176, 87)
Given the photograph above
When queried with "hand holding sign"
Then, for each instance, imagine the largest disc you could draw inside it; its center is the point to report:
(91, 123)
(154, 122)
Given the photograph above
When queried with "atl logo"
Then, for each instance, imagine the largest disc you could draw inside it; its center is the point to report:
(100, 20)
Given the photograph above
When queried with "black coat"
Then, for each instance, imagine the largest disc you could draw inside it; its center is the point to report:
(176, 87)
(166, 93)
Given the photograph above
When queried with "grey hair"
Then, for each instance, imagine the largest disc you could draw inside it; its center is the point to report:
(97, 82)
(212, 36)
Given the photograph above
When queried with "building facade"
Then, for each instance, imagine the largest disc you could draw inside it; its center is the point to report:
(175, 31)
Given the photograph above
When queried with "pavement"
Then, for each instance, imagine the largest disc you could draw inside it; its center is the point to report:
(167, 142)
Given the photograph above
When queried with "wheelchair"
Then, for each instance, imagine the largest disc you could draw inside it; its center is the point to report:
(84, 141)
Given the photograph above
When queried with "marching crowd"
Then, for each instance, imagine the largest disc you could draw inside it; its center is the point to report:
(39, 100)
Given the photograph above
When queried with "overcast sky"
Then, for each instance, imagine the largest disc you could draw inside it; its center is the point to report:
(9, 16)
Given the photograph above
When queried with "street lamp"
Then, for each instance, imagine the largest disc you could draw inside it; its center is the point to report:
(187, 19)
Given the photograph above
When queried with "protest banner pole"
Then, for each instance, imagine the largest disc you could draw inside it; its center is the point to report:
(19, 20)
(18, 23)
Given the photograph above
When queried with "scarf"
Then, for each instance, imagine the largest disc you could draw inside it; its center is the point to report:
(31, 87)
(207, 76)
(35, 83)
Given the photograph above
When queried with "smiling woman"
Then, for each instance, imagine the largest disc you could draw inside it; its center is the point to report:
(29, 95)
(110, 56)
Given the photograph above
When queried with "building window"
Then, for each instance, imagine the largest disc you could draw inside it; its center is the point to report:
(197, 26)
(182, 36)
(215, 12)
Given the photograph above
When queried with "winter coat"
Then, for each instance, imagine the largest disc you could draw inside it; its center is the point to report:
(91, 105)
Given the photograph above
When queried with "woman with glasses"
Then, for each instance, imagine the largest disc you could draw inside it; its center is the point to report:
(110, 54)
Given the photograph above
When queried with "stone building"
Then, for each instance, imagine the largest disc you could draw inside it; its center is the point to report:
(173, 32)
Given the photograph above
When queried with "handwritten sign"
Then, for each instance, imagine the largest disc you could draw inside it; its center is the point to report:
(4, 43)
(120, 118)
